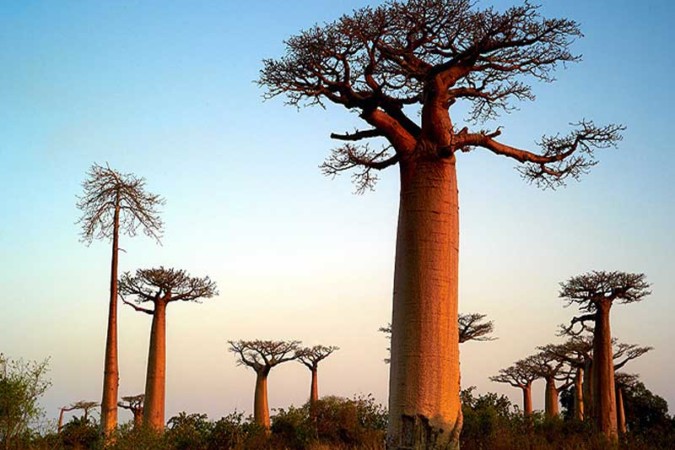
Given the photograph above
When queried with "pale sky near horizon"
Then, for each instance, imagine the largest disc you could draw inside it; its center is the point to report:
(166, 90)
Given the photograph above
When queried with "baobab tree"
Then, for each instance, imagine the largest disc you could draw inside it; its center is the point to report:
(521, 376)
(401, 67)
(134, 403)
(85, 406)
(622, 381)
(115, 203)
(552, 369)
(262, 356)
(594, 293)
(310, 357)
(160, 287)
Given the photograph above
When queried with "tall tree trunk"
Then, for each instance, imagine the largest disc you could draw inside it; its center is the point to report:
(153, 408)
(138, 418)
(579, 394)
(314, 392)
(551, 408)
(587, 389)
(604, 398)
(111, 370)
(620, 412)
(424, 405)
(261, 411)
(527, 399)
(60, 425)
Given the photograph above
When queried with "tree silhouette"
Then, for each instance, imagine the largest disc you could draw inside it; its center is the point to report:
(401, 67)
(548, 366)
(114, 203)
(83, 405)
(310, 357)
(160, 287)
(134, 403)
(262, 356)
(622, 381)
(594, 293)
(521, 376)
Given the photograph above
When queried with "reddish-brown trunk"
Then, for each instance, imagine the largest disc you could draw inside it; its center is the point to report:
(604, 398)
(587, 389)
(424, 405)
(527, 399)
(261, 411)
(111, 371)
(60, 425)
(620, 412)
(314, 392)
(579, 394)
(551, 401)
(153, 415)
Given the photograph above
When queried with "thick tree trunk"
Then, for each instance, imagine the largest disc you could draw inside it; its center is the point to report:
(579, 394)
(153, 407)
(527, 400)
(551, 408)
(261, 411)
(604, 398)
(111, 370)
(587, 389)
(424, 405)
(314, 392)
(620, 412)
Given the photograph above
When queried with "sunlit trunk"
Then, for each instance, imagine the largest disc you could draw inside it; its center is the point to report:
(424, 405)
(604, 398)
(579, 394)
(620, 412)
(153, 414)
(314, 393)
(138, 418)
(551, 408)
(261, 411)
(60, 425)
(527, 400)
(111, 371)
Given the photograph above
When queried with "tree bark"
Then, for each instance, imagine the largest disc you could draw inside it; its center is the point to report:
(138, 418)
(424, 405)
(551, 408)
(587, 389)
(111, 370)
(620, 412)
(579, 394)
(604, 398)
(527, 399)
(153, 408)
(314, 392)
(261, 411)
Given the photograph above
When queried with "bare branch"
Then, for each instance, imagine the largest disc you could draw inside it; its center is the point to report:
(167, 285)
(362, 158)
(263, 355)
(310, 357)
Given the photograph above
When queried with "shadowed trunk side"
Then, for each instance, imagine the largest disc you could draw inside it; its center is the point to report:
(620, 411)
(527, 399)
(579, 394)
(551, 408)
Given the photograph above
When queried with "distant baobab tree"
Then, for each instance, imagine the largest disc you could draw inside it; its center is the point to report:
(83, 405)
(622, 381)
(134, 403)
(310, 357)
(401, 66)
(114, 203)
(262, 356)
(470, 327)
(160, 287)
(552, 369)
(594, 293)
(521, 376)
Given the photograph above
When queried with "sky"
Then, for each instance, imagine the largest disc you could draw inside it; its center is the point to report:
(166, 90)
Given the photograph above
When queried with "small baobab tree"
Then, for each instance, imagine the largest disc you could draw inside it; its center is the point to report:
(85, 406)
(622, 381)
(521, 376)
(310, 357)
(262, 356)
(552, 369)
(402, 66)
(160, 287)
(134, 403)
(115, 203)
(595, 292)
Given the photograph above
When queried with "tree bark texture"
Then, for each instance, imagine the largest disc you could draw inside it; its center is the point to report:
(314, 392)
(261, 411)
(527, 400)
(604, 398)
(551, 408)
(111, 369)
(579, 394)
(424, 405)
(155, 380)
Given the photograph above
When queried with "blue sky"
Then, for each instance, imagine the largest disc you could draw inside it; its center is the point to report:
(166, 90)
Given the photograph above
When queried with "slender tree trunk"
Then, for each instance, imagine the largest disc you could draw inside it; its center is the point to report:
(314, 392)
(579, 394)
(138, 418)
(604, 398)
(527, 400)
(424, 405)
(60, 425)
(111, 370)
(551, 408)
(153, 408)
(261, 411)
(620, 412)
(587, 389)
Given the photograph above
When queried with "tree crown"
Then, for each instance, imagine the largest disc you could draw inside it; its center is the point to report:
(263, 355)
(592, 288)
(312, 356)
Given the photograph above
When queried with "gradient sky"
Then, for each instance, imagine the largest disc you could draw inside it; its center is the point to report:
(166, 90)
